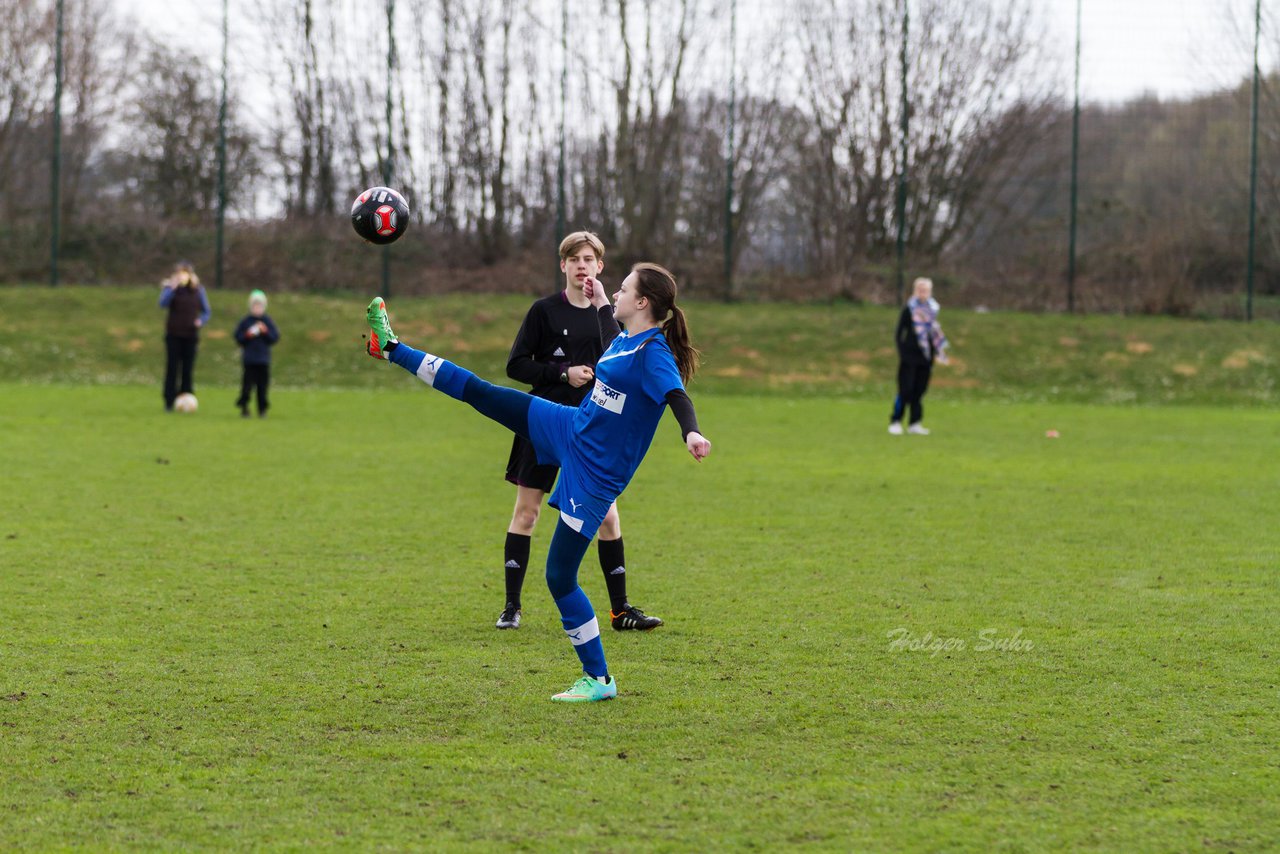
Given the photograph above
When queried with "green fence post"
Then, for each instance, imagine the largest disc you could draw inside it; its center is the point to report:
(561, 214)
(728, 192)
(388, 166)
(1253, 165)
(1075, 175)
(902, 173)
(55, 189)
(222, 156)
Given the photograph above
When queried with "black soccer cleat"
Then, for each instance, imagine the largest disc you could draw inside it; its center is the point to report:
(510, 618)
(632, 618)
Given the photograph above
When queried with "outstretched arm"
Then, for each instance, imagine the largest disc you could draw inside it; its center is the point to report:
(682, 408)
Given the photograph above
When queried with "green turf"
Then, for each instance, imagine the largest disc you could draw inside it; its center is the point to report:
(114, 335)
(228, 634)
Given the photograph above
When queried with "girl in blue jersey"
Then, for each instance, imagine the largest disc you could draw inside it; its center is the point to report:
(598, 444)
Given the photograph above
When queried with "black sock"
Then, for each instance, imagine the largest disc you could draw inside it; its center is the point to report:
(516, 556)
(614, 567)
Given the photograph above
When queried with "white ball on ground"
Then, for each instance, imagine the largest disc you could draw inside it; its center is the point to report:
(185, 402)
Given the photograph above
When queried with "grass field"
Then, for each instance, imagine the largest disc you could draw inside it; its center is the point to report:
(218, 633)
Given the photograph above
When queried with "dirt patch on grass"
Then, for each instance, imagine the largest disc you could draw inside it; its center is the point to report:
(133, 345)
(1243, 359)
(857, 372)
(414, 331)
(1068, 341)
(1184, 370)
(319, 336)
(1139, 348)
(217, 334)
(955, 382)
(798, 378)
(735, 372)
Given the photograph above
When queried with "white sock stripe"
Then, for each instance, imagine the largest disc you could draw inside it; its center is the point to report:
(427, 370)
(583, 633)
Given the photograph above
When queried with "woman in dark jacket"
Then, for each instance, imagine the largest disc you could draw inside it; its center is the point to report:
(184, 297)
(920, 341)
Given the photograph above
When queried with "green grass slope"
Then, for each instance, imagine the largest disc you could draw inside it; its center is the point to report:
(114, 335)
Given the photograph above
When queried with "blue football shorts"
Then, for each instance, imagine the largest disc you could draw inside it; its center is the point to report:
(551, 432)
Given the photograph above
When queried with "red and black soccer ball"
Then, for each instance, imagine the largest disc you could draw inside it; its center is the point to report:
(380, 215)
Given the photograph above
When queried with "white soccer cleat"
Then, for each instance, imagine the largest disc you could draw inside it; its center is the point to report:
(918, 430)
(509, 618)
(895, 428)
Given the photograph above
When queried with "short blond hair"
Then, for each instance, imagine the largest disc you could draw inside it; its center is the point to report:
(579, 239)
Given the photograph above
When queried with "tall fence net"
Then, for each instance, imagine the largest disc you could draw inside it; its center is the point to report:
(807, 149)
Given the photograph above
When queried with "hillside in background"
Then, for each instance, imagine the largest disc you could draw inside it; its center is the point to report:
(115, 336)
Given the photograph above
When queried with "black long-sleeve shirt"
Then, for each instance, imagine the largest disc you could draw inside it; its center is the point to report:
(555, 336)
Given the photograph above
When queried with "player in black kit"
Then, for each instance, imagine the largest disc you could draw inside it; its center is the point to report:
(556, 352)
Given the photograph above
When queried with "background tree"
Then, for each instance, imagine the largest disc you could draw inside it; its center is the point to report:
(174, 125)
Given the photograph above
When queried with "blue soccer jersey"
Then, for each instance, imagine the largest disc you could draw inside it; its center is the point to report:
(615, 424)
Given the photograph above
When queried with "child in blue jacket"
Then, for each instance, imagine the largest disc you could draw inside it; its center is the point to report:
(256, 334)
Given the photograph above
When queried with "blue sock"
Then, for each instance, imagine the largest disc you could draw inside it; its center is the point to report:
(576, 614)
(438, 373)
(580, 624)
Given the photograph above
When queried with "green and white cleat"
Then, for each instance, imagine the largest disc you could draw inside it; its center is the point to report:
(588, 689)
(380, 334)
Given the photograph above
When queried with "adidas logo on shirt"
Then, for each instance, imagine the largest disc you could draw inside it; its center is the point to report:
(558, 352)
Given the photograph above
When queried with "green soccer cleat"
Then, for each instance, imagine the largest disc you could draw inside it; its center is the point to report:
(380, 334)
(588, 689)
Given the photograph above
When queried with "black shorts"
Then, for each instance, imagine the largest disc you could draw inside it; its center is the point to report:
(523, 468)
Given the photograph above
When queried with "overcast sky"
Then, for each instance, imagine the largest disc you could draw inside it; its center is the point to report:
(1168, 47)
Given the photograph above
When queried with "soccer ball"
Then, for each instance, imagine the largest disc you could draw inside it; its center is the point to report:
(185, 402)
(380, 215)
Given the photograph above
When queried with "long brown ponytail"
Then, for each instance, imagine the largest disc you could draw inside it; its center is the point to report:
(656, 284)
